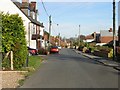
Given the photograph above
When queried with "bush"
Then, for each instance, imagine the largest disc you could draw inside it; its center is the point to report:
(118, 53)
(80, 48)
(43, 51)
(13, 39)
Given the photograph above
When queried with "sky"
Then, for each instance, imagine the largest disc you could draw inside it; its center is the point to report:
(67, 16)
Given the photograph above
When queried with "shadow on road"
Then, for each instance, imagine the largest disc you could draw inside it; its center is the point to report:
(78, 58)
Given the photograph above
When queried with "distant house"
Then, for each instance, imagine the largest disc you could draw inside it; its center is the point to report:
(89, 38)
(94, 37)
(119, 22)
(46, 38)
(119, 35)
(106, 36)
(27, 11)
(102, 38)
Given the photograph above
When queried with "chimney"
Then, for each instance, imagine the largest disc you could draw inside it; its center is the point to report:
(25, 7)
(33, 5)
(95, 35)
(110, 30)
(25, 1)
(36, 12)
(33, 11)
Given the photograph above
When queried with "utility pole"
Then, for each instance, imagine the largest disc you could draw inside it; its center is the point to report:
(114, 36)
(79, 36)
(50, 24)
(59, 39)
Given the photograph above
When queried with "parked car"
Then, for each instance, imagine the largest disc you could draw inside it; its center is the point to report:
(54, 49)
(59, 47)
(32, 51)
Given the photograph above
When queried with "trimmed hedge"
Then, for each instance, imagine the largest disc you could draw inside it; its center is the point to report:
(13, 39)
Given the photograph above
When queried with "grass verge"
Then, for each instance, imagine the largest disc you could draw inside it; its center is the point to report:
(34, 63)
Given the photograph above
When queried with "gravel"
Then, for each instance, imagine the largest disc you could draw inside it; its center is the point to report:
(10, 79)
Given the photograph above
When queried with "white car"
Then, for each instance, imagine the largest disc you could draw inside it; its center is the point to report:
(59, 47)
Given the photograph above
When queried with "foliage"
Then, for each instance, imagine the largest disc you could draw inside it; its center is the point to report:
(104, 48)
(110, 54)
(41, 51)
(13, 38)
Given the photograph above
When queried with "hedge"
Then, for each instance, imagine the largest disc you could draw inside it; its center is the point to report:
(13, 39)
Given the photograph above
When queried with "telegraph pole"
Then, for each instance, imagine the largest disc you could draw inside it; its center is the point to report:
(79, 36)
(50, 24)
(114, 36)
(59, 39)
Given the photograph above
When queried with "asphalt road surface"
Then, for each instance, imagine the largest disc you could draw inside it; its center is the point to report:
(71, 70)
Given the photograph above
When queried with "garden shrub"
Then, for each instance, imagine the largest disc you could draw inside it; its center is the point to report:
(13, 38)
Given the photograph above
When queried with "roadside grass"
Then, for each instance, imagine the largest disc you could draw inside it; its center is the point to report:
(34, 63)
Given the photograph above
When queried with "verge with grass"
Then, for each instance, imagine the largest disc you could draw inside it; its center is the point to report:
(34, 63)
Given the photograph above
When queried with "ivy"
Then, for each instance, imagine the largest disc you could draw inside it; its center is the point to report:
(13, 38)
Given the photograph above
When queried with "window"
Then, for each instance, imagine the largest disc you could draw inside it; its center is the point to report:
(33, 29)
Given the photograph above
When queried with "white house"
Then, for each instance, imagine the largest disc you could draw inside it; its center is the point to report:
(42, 41)
(28, 13)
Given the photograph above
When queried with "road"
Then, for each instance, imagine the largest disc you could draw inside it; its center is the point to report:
(71, 70)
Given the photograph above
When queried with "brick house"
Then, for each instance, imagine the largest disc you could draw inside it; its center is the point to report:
(106, 36)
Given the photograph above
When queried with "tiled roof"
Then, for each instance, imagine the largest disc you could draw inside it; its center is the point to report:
(89, 37)
(18, 4)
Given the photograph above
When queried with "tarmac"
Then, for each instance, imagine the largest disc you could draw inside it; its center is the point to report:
(104, 61)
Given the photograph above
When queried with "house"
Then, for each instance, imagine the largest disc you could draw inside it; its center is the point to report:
(28, 12)
(102, 38)
(106, 36)
(119, 22)
(94, 37)
(119, 35)
(46, 38)
(89, 38)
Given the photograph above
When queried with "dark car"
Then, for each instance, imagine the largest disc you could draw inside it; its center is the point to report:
(54, 49)
(32, 51)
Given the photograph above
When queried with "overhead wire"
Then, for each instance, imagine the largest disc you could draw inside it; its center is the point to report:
(44, 8)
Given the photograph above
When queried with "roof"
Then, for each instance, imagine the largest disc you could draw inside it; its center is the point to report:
(106, 33)
(18, 4)
(89, 37)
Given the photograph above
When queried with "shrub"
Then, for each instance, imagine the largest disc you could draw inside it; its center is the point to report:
(43, 51)
(13, 38)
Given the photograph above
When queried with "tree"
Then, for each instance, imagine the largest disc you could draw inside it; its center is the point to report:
(13, 39)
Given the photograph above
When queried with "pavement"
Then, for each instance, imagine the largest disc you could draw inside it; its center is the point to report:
(104, 61)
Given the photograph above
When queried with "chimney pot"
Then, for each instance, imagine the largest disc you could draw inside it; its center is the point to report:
(110, 30)
(23, 1)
